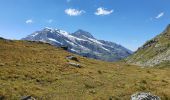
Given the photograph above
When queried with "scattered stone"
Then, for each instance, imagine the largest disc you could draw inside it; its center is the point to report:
(72, 58)
(2, 97)
(75, 65)
(111, 98)
(64, 47)
(18, 64)
(92, 91)
(144, 96)
(27, 98)
(99, 71)
(2, 64)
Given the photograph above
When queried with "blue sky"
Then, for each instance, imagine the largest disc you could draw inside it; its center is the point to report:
(127, 22)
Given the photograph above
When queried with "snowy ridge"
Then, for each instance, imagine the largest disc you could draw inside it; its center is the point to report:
(82, 43)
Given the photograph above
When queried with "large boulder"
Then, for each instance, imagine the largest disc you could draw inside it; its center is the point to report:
(75, 65)
(144, 96)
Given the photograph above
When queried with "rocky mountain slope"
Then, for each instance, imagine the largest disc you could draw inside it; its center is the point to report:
(155, 52)
(44, 72)
(82, 43)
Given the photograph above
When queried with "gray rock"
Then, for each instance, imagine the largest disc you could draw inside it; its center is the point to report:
(2, 97)
(72, 58)
(144, 96)
(75, 65)
(27, 98)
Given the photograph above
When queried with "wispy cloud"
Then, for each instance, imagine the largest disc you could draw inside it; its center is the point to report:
(29, 21)
(74, 12)
(103, 11)
(160, 15)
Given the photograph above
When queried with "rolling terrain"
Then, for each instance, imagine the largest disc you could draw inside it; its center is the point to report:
(43, 71)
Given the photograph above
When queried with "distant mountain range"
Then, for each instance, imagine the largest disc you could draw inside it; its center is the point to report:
(155, 52)
(82, 43)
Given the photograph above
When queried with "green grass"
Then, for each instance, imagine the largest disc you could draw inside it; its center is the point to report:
(158, 46)
(42, 71)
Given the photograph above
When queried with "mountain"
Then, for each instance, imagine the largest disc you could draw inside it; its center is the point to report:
(155, 52)
(82, 43)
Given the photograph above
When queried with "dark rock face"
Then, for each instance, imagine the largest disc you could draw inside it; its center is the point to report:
(82, 43)
(149, 44)
(2, 38)
(144, 96)
(64, 47)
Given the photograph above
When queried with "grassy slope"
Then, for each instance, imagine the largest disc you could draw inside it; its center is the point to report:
(42, 71)
(156, 49)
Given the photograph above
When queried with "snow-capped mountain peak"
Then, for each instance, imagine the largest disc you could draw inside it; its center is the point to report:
(81, 33)
(82, 43)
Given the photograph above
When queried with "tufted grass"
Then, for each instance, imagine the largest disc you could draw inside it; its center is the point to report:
(41, 70)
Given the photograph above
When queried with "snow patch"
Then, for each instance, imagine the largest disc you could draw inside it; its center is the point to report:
(73, 50)
(34, 34)
(54, 40)
(73, 44)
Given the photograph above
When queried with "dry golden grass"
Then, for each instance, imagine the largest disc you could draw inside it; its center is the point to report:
(42, 71)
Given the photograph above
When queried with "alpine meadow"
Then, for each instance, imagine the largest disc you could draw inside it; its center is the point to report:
(84, 50)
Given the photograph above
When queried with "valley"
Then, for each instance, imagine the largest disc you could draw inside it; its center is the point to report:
(42, 71)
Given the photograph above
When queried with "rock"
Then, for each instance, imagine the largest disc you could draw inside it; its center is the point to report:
(27, 98)
(2, 97)
(75, 65)
(92, 91)
(111, 98)
(1, 39)
(144, 96)
(2, 64)
(72, 58)
(64, 47)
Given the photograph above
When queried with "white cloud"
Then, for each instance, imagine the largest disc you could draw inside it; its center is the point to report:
(50, 21)
(103, 11)
(29, 21)
(74, 12)
(160, 15)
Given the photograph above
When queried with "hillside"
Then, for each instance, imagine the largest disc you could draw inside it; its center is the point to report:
(42, 71)
(81, 43)
(155, 52)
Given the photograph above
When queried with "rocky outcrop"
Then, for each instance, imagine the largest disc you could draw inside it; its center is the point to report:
(154, 52)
